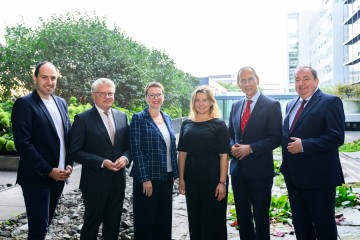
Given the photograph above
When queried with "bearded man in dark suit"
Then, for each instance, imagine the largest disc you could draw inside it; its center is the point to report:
(41, 126)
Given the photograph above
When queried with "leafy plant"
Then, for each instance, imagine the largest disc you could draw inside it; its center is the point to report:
(353, 146)
(231, 200)
(280, 210)
(345, 197)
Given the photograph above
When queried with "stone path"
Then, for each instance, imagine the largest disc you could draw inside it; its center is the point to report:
(349, 229)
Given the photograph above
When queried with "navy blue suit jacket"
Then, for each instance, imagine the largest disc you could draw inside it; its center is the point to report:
(321, 127)
(36, 139)
(90, 144)
(148, 148)
(262, 132)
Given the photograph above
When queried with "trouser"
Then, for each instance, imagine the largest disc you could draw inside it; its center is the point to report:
(40, 204)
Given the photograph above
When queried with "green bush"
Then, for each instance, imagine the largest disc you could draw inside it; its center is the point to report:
(353, 146)
(10, 146)
(2, 143)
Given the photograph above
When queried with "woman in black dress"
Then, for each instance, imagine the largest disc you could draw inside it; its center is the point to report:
(203, 166)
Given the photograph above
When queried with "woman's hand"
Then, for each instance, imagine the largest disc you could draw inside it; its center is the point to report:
(220, 191)
(147, 188)
(182, 187)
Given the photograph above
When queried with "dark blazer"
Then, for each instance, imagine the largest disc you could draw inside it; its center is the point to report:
(90, 144)
(262, 132)
(321, 127)
(36, 139)
(148, 148)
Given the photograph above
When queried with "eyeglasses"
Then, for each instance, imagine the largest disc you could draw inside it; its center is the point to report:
(250, 80)
(104, 94)
(157, 95)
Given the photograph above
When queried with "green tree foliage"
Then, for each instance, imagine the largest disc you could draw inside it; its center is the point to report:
(84, 49)
(348, 91)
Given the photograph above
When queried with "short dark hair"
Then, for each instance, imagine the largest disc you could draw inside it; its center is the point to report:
(38, 66)
(313, 71)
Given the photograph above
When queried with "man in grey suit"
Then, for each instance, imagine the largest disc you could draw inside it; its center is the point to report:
(100, 142)
(255, 130)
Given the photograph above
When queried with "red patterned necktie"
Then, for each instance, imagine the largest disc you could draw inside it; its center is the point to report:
(246, 115)
(297, 115)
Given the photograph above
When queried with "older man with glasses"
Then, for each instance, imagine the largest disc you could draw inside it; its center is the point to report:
(100, 142)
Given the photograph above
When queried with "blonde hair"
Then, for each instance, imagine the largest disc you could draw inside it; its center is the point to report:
(214, 108)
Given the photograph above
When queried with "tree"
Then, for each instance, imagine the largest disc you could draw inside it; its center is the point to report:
(84, 49)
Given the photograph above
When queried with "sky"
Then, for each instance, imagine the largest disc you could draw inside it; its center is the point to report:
(203, 37)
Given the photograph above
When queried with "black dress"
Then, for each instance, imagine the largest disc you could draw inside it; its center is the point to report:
(203, 142)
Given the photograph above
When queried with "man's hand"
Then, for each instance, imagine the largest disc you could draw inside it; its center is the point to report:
(108, 164)
(59, 174)
(295, 146)
(240, 151)
(121, 162)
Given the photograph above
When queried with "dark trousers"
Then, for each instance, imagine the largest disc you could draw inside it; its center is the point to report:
(313, 212)
(153, 215)
(252, 203)
(105, 207)
(40, 204)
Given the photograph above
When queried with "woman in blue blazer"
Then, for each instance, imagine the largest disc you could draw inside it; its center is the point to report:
(153, 149)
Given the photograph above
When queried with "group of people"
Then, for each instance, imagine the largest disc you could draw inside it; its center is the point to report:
(102, 140)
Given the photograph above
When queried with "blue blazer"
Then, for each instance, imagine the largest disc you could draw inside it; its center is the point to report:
(148, 148)
(262, 132)
(90, 144)
(321, 126)
(36, 139)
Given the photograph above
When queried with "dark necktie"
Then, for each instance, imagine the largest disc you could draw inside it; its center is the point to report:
(246, 115)
(297, 115)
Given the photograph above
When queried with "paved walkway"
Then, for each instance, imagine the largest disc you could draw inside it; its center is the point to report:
(12, 203)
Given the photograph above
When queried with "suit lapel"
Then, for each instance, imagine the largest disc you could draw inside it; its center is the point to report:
(313, 102)
(43, 108)
(257, 108)
(117, 119)
(239, 109)
(289, 108)
(62, 113)
(100, 124)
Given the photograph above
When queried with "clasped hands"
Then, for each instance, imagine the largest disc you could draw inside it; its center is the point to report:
(59, 174)
(117, 165)
(240, 150)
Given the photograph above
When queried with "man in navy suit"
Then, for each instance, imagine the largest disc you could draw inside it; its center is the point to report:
(41, 124)
(252, 166)
(311, 163)
(100, 142)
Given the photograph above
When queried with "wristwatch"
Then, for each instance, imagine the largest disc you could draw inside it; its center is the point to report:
(223, 183)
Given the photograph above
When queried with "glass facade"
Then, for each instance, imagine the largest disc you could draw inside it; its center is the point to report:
(352, 40)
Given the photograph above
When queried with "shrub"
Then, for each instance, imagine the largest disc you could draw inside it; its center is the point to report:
(2, 143)
(10, 146)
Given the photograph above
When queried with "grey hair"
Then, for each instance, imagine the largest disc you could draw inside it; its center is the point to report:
(100, 81)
